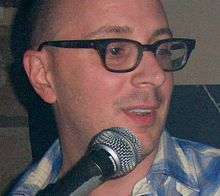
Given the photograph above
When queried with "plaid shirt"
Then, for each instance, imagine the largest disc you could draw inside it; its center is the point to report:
(181, 167)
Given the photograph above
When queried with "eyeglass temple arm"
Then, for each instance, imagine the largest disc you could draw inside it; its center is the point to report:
(69, 44)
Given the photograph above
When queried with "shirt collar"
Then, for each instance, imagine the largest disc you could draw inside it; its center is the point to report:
(171, 160)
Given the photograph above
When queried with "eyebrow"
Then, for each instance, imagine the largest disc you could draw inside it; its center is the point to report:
(161, 31)
(116, 29)
(112, 29)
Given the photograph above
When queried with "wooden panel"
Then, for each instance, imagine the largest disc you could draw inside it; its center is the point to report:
(6, 15)
(15, 153)
(15, 148)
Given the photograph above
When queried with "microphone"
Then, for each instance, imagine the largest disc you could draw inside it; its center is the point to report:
(112, 153)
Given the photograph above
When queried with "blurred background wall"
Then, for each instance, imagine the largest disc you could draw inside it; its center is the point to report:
(198, 19)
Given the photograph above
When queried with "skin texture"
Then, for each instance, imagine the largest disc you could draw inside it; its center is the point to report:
(87, 98)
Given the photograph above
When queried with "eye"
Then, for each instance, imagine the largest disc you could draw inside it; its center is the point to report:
(164, 52)
(117, 50)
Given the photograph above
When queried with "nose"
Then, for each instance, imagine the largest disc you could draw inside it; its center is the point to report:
(148, 72)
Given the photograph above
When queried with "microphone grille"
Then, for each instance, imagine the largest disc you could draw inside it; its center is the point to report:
(124, 145)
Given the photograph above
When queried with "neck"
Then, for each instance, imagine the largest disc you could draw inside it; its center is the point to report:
(71, 155)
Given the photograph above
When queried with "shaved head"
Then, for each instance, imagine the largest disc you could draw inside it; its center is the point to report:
(41, 15)
(47, 18)
(50, 17)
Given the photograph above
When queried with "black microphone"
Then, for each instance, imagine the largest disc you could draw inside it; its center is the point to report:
(112, 153)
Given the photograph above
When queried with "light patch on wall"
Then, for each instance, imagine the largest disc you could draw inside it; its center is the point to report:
(7, 15)
(1, 13)
(198, 20)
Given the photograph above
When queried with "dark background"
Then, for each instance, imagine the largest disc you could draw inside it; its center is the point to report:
(9, 3)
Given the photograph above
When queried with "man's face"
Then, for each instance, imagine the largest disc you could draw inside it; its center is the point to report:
(88, 97)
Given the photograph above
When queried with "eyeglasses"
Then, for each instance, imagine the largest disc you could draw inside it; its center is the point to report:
(124, 55)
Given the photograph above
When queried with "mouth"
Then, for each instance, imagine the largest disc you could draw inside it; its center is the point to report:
(141, 115)
(140, 112)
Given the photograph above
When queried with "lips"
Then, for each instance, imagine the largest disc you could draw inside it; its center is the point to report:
(140, 112)
(141, 115)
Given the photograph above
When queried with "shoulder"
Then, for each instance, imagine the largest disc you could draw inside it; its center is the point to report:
(205, 160)
(198, 149)
(40, 174)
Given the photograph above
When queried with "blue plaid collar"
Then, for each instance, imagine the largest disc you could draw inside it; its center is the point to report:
(172, 161)
(181, 167)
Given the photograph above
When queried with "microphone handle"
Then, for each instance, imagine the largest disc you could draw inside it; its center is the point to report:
(90, 172)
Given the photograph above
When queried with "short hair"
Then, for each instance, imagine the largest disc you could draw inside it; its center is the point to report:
(34, 21)
(42, 14)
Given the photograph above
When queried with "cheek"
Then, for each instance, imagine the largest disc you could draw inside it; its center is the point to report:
(166, 91)
(87, 91)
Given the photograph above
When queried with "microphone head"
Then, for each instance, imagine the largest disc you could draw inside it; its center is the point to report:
(125, 149)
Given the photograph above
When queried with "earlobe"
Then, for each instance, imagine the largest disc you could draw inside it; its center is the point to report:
(39, 74)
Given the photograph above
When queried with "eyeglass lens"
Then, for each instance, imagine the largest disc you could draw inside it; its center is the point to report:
(124, 55)
(121, 55)
(171, 55)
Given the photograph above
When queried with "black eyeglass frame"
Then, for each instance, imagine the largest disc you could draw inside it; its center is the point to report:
(101, 44)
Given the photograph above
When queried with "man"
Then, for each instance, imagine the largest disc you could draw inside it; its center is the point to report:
(126, 81)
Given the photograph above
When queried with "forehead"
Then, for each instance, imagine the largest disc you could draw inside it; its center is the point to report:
(82, 18)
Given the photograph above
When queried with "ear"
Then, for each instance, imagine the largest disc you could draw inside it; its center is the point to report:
(36, 65)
